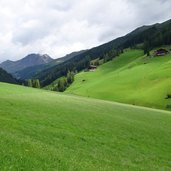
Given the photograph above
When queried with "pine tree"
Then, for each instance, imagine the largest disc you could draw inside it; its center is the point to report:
(29, 83)
(37, 83)
(34, 83)
(61, 86)
(65, 83)
(72, 76)
(69, 77)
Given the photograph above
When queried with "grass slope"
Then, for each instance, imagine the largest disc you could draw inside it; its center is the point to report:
(43, 130)
(131, 78)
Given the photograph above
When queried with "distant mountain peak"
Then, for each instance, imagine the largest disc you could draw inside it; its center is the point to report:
(30, 60)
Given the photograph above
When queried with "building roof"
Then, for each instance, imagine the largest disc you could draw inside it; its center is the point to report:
(92, 66)
(161, 52)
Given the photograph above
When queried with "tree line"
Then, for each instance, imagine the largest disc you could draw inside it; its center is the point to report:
(35, 83)
(75, 65)
(156, 40)
(64, 82)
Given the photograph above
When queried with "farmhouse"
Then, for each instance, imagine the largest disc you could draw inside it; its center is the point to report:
(161, 52)
(92, 68)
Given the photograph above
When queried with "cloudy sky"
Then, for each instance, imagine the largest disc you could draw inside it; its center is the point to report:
(58, 27)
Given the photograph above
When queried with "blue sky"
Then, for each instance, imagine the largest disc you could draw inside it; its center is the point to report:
(59, 27)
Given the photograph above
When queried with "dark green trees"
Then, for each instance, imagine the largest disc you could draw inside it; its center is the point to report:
(61, 85)
(8, 78)
(64, 82)
(70, 77)
(146, 48)
(36, 83)
(33, 83)
(29, 83)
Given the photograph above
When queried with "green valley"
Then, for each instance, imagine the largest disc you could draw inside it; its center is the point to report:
(130, 78)
(105, 108)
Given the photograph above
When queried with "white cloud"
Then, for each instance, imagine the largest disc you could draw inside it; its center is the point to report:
(60, 27)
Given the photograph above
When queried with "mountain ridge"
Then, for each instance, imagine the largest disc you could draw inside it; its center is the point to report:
(29, 72)
(32, 59)
(154, 35)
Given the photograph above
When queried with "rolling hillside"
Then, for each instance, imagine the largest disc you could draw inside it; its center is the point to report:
(42, 130)
(130, 78)
(149, 37)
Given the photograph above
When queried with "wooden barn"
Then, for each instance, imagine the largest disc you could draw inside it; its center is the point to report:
(92, 68)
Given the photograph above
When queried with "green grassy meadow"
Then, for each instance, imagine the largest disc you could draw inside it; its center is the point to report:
(130, 78)
(43, 130)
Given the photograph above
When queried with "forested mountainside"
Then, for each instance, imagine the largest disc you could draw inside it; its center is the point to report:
(29, 72)
(6, 77)
(146, 38)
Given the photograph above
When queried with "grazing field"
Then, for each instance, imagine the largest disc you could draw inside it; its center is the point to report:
(42, 130)
(130, 78)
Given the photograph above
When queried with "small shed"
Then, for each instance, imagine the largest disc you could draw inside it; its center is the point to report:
(92, 68)
(161, 52)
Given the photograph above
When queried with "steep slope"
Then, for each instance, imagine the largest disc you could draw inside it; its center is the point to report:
(6, 77)
(43, 130)
(28, 61)
(130, 78)
(155, 35)
(29, 72)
